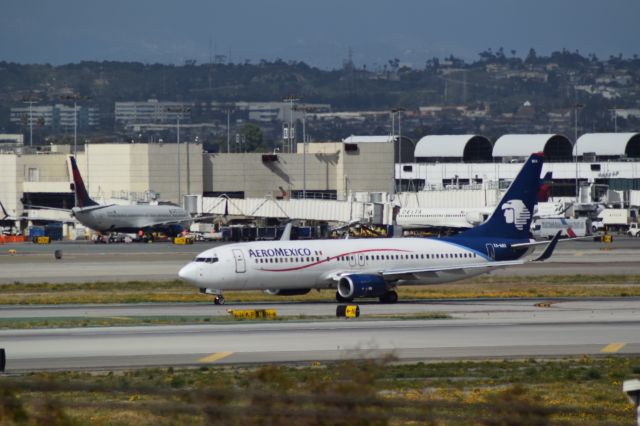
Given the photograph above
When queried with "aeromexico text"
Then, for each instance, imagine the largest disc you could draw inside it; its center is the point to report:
(280, 252)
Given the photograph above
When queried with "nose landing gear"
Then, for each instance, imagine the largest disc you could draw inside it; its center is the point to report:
(218, 298)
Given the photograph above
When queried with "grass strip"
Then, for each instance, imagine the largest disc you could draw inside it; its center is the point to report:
(79, 322)
(178, 291)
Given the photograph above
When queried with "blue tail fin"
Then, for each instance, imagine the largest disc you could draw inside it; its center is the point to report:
(82, 197)
(512, 216)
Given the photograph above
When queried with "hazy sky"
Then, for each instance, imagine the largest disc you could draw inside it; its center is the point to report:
(319, 33)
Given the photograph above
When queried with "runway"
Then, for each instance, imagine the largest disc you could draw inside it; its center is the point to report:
(87, 262)
(477, 329)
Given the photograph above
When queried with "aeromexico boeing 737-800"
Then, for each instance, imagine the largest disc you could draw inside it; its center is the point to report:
(375, 267)
(171, 220)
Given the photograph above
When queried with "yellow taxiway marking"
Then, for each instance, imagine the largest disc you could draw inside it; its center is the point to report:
(215, 357)
(613, 347)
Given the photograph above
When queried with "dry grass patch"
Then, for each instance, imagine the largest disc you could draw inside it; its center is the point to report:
(378, 392)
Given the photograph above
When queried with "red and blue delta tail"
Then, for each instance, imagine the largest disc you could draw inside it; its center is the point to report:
(512, 217)
(544, 193)
(82, 197)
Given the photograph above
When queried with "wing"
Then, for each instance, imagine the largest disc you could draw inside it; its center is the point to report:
(417, 273)
(395, 274)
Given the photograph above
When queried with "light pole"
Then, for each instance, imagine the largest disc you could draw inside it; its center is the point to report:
(393, 141)
(75, 128)
(75, 99)
(399, 111)
(30, 101)
(179, 110)
(228, 130)
(291, 100)
(615, 119)
(576, 108)
(304, 154)
(304, 151)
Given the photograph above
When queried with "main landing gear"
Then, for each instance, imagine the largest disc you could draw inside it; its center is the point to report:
(218, 300)
(341, 299)
(389, 297)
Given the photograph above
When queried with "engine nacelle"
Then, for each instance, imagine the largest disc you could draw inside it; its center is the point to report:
(475, 218)
(287, 291)
(352, 286)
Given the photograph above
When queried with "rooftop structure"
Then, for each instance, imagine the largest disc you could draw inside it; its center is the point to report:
(555, 147)
(604, 146)
(453, 148)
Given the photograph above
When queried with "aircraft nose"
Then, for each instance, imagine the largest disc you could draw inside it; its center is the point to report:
(187, 272)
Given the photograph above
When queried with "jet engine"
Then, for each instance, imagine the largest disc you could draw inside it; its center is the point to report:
(351, 286)
(475, 218)
(287, 291)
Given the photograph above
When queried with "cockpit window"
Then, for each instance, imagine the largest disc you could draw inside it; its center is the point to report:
(206, 259)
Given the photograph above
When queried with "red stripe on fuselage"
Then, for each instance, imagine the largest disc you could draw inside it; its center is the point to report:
(297, 268)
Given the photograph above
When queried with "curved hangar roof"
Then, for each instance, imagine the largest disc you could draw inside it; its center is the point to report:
(555, 147)
(609, 144)
(471, 148)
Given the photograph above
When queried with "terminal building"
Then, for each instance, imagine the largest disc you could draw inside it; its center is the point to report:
(438, 171)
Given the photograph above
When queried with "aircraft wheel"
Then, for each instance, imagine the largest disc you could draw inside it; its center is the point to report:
(341, 299)
(389, 297)
(218, 300)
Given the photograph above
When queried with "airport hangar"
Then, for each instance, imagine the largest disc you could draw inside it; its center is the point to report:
(343, 179)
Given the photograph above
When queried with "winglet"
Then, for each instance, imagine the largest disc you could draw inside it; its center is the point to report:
(4, 212)
(550, 248)
(286, 234)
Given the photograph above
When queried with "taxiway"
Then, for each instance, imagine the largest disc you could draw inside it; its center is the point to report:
(476, 329)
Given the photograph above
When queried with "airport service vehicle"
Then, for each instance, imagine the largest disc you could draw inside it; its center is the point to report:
(634, 229)
(619, 220)
(549, 227)
(375, 267)
(169, 219)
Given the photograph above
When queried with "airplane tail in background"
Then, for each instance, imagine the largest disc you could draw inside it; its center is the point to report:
(82, 197)
(512, 216)
(545, 188)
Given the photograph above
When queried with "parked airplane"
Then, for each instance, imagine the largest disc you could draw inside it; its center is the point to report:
(455, 219)
(441, 218)
(375, 267)
(171, 220)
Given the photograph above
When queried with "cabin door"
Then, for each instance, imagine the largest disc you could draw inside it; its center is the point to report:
(241, 266)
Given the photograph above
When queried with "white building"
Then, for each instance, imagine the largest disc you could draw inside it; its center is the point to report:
(151, 111)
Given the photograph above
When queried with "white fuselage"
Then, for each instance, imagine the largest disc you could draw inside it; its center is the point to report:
(316, 264)
(132, 218)
(425, 218)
